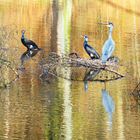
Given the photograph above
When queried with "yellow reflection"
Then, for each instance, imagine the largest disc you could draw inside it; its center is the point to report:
(75, 18)
(63, 47)
(120, 120)
(7, 117)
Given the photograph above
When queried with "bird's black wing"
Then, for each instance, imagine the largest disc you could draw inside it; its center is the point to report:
(30, 42)
(92, 51)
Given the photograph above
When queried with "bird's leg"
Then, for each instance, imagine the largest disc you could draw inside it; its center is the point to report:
(103, 66)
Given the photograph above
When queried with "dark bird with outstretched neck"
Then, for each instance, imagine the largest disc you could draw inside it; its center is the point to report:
(29, 44)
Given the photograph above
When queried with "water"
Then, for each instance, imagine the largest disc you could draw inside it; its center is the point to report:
(32, 109)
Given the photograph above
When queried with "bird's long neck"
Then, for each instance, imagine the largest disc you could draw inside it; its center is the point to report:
(110, 32)
(22, 37)
(110, 35)
(85, 42)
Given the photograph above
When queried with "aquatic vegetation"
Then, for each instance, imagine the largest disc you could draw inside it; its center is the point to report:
(7, 35)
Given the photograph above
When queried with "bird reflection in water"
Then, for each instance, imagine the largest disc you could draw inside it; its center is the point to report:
(89, 76)
(26, 56)
(108, 105)
(86, 86)
(107, 100)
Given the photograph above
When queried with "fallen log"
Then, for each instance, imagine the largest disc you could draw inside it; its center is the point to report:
(59, 65)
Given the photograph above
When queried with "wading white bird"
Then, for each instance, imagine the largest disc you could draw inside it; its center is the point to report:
(109, 44)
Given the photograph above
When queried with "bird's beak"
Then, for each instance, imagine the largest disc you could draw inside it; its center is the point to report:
(22, 31)
(81, 36)
(102, 23)
(106, 24)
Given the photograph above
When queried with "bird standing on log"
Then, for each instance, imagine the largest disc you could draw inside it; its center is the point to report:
(109, 44)
(29, 44)
(90, 51)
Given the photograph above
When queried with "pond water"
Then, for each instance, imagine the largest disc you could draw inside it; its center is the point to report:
(32, 109)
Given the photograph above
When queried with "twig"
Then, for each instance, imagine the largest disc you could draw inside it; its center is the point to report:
(7, 63)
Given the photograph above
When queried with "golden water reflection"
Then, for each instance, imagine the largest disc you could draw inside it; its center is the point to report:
(61, 109)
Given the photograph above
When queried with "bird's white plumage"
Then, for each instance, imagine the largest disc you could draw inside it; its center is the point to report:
(31, 52)
(91, 55)
(31, 46)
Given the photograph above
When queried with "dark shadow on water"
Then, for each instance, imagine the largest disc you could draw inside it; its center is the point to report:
(135, 95)
(136, 91)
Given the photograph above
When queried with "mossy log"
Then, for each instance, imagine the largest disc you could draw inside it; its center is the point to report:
(60, 65)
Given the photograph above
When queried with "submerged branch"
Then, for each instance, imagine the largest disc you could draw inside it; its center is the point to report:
(7, 64)
(136, 93)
